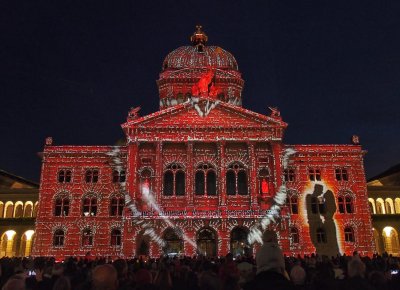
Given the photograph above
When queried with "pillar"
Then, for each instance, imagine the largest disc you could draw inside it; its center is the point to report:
(222, 173)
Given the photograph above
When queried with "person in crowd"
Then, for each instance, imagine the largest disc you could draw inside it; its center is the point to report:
(271, 272)
(104, 277)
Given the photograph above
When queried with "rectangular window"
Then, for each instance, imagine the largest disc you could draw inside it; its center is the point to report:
(314, 174)
(289, 175)
(341, 174)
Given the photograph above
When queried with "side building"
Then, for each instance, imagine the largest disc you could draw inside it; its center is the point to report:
(384, 203)
(18, 207)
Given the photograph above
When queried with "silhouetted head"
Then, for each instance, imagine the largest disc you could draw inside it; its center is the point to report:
(104, 277)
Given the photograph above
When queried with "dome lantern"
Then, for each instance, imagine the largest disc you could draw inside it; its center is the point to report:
(199, 38)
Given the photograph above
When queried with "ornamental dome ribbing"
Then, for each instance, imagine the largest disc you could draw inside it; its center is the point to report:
(199, 71)
(200, 56)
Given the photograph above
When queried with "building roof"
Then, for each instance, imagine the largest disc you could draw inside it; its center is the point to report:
(9, 180)
(390, 177)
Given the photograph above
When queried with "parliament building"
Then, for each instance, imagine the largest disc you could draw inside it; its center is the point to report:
(202, 175)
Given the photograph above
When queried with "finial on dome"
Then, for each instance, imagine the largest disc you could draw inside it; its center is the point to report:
(199, 38)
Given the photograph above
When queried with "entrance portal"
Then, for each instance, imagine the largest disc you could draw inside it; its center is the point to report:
(206, 242)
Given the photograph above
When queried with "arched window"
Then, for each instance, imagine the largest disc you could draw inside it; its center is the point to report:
(205, 180)
(58, 238)
(9, 209)
(64, 176)
(389, 206)
(173, 241)
(92, 176)
(174, 180)
(116, 237)
(18, 210)
(294, 235)
(380, 208)
(89, 206)
(87, 238)
(372, 205)
(28, 209)
(117, 206)
(236, 179)
(349, 234)
(61, 206)
(321, 236)
(397, 205)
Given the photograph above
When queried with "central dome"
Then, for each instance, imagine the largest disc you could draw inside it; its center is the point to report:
(199, 71)
(200, 56)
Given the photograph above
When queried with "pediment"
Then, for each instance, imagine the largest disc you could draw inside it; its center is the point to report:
(205, 113)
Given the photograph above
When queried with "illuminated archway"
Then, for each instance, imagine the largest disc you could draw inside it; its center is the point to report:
(389, 208)
(173, 240)
(8, 244)
(206, 239)
(397, 205)
(9, 209)
(35, 209)
(28, 209)
(26, 243)
(239, 241)
(18, 209)
(1, 209)
(380, 207)
(371, 203)
(391, 241)
(377, 241)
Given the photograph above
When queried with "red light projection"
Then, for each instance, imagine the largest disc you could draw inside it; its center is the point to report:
(202, 176)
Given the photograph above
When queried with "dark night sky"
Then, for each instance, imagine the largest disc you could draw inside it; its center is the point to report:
(71, 70)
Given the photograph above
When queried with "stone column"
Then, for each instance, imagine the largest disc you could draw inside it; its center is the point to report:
(252, 175)
(131, 185)
(221, 173)
(189, 174)
(158, 176)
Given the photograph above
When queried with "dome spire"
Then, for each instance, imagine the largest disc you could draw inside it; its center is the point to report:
(199, 38)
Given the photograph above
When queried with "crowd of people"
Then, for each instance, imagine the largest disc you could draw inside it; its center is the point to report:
(269, 270)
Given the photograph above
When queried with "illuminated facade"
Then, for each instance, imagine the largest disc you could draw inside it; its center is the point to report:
(18, 206)
(384, 203)
(202, 175)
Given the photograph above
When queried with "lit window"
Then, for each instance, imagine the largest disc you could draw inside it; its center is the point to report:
(289, 175)
(89, 206)
(116, 237)
(349, 234)
(61, 207)
(64, 176)
(58, 238)
(263, 177)
(314, 174)
(117, 206)
(341, 174)
(92, 176)
(236, 180)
